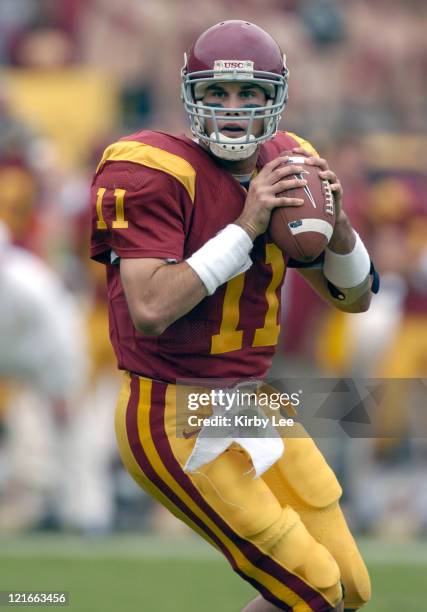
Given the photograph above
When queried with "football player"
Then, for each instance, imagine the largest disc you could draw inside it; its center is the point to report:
(194, 293)
(42, 363)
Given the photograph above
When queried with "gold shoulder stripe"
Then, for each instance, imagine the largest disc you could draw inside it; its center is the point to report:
(304, 143)
(152, 157)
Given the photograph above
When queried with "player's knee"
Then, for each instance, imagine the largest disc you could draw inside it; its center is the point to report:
(321, 569)
(358, 593)
(289, 541)
(364, 590)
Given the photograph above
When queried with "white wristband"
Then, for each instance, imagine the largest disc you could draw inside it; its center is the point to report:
(349, 270)
(222, 257)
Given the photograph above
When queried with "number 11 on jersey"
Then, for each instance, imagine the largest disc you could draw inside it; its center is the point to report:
(120, 221)
(229, 337)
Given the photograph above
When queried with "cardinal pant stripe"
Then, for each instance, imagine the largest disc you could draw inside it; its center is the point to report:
(133, 419)
(129, 443)
(153, 420)
(169, 469)
(132, 415)
(260, 560)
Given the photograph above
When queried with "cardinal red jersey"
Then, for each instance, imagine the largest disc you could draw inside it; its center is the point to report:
(160, 196)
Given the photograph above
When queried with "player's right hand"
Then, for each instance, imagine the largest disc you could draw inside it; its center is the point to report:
(265, 194)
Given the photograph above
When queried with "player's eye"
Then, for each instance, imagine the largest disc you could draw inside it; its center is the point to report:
(217, 94)
(252, 93)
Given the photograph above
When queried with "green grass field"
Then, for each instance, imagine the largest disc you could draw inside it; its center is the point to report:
(152, 574)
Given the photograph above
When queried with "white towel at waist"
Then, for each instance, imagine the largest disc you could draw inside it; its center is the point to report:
(263, 450)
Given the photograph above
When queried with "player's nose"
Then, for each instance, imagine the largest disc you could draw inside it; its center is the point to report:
(232, 102)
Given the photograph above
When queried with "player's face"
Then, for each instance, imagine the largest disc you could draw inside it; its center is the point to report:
(234, 96)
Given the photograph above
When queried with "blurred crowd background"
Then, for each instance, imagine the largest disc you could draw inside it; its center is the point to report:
(77, 74)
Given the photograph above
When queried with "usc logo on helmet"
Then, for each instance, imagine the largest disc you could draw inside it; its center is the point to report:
(233, 64)
(244, 65)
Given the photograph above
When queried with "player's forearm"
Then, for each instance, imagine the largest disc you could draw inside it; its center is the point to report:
(319, 283)
(356, 299)
(343, 238)
(169, 293)
(346, 269)
(158, 294)
(344, 281)
(361, 303)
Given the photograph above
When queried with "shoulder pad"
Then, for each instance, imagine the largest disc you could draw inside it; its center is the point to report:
(152, 157)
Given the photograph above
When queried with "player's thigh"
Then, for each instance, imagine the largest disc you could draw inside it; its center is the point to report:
(265, 543)
(303, 479)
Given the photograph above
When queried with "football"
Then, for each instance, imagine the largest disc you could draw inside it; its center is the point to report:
(303, 232)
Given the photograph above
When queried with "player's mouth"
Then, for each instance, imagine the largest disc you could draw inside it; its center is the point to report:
(233, 130)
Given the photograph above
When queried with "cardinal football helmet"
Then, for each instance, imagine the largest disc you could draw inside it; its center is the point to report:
(234, 51)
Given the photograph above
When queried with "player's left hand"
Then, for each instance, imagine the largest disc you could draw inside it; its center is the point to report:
(325, 173)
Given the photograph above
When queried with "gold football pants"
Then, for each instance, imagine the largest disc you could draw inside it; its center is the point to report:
(284, 532)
